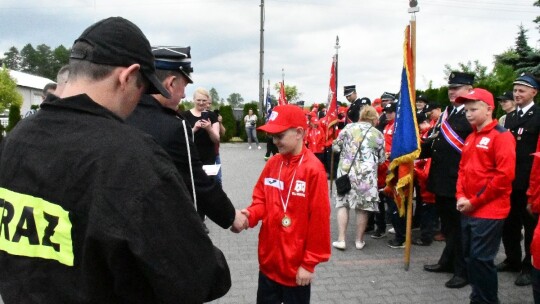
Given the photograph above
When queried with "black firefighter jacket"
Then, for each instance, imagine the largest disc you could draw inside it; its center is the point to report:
(95, 212)
(165, 126)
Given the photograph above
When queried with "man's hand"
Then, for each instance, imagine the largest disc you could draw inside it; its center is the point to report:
(303, 277)
(464, 205)
(240, 222)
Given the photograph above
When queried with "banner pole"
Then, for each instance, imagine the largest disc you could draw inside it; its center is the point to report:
(408, 234)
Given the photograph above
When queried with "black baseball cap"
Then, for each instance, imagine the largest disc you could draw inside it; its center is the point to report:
(391, 107)
(117, 41)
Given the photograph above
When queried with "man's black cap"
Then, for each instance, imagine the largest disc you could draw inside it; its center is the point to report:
(388, 96)
(348, 90)
(458, 79)
(508, 95)
(365, 101)
(422, 98)
(174, 58)
(116, 41)
(430, 106)
(391, 107)
(527, 80)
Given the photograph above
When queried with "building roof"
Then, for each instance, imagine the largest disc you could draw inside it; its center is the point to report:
(28, 80)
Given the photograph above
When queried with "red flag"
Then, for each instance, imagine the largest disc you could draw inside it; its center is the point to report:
(331, 117)
(282, 97)
(331, 106)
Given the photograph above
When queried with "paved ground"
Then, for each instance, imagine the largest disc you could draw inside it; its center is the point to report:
(372, 275)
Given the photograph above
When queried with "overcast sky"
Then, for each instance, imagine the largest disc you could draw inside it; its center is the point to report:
(299, 37)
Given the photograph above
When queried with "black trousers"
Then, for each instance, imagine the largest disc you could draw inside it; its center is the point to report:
(518, 218)
(452, 255)
(271, 149)
(270, 292)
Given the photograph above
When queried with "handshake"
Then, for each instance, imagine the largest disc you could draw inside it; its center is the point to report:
(240, 221)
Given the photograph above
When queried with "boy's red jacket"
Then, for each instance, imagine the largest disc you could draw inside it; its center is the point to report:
(533, 195)
(486, 171)
(306, 242)
(316, 139)
(421, 173)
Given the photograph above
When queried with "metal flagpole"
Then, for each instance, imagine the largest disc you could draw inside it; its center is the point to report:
(261, 62)
(413, 8)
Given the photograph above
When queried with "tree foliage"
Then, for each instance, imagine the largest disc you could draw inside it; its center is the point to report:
(215, 98)
(40, 61)
(291, 92)
(235, 100)
(8, 91)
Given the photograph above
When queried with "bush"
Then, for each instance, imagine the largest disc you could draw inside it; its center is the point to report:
(14, 117)
(228, 122)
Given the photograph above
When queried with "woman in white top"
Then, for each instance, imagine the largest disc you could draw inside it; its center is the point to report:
(250, 121)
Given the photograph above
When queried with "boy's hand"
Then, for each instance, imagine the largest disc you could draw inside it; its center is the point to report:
(240, 222)
(464, 205)
(303, 277)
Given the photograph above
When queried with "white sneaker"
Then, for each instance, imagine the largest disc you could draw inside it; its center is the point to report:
(392, 230)
(259, 147)
(339, 245)
(249, 148)
(360, 245)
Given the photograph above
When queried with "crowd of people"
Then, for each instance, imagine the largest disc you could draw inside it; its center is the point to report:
(116, 213)
(471, 180)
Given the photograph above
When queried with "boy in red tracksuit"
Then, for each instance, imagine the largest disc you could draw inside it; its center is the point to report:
(533, 195)
(484, 184)
(427, 211)
(291, 199)
(315, 138)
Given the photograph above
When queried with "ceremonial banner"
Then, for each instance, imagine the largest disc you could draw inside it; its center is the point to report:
(282, 97)
(331, 114)
(406, 139)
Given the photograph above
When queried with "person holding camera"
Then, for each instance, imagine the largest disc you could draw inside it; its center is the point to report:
(250, 121)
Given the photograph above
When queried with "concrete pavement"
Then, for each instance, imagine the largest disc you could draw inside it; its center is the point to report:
(372, 275)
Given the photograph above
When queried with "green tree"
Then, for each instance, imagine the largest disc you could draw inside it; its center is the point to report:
(291, 92)
(215, 98)
(60, 58)
(29, 59)
(235, 100)
(12, 59)
(537, 19)
(45, 62)
(8, 91)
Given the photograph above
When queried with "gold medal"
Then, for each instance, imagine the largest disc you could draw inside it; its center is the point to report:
(286, 221)
(519, 138)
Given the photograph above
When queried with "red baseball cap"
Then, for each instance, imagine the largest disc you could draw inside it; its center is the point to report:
(283, 118)
(477, 94)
